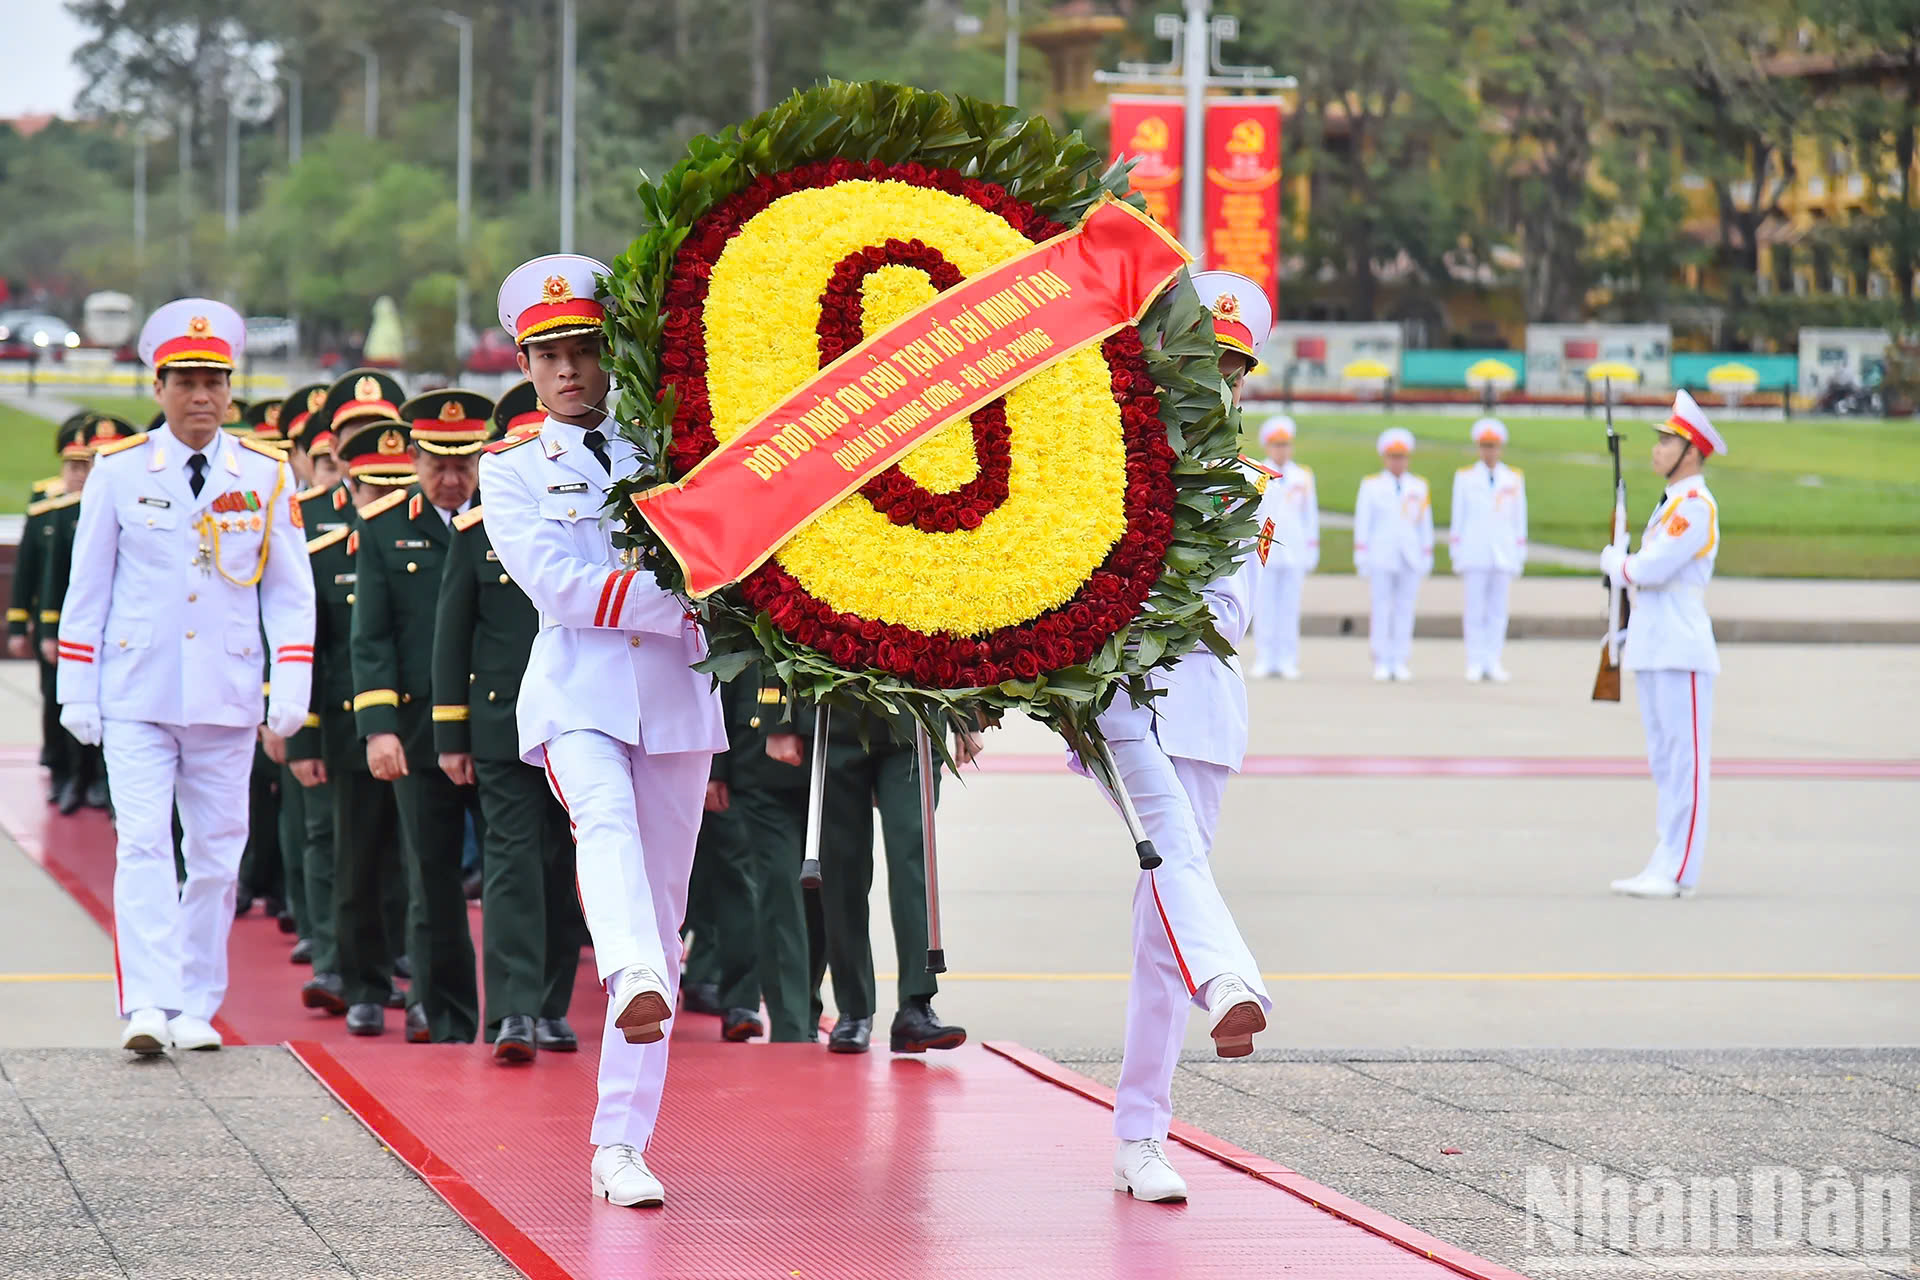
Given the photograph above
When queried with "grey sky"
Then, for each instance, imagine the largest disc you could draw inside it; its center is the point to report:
(36, 70)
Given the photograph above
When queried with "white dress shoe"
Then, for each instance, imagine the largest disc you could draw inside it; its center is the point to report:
(1498, 674)
(1649, 885)
(1289, 673)
(1382, 674)
(146, 1033)
(621, 1177)
(640, 1005)
(1234, 1015)
(189, 1032)
(1403, 672)
(1142, 1170)
(1262, 671)
(1475, 675)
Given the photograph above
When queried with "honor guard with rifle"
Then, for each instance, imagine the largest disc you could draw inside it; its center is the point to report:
(1487, 544)
(189, 541)
(1393, 551)
(609, 705)
(1669, 646)
(1175, 758)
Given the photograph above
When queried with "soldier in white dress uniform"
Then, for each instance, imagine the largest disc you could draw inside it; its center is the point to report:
(1393, 551)
(610, 708)
(1669, 647)
(1289, 550)
(188, 541)
(1175, 759)
(1487, 542)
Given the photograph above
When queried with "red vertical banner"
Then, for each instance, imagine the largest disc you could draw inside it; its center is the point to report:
(1242, 195)
(1149, 130)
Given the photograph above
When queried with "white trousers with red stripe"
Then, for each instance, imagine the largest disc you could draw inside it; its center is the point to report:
(1677, 709)
(1183, 934)
(635, 818)
(170, 940)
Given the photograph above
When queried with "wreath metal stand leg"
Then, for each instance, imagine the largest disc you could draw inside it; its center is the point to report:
(923, 763)
(816, 800)
(1109, 776)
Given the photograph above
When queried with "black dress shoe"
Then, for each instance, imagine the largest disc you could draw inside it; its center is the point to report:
(418, 1032)
(71, 795)
(283, 918)
(738, 1025)
(515, 1043)
(242, 903)
(396, 998)
(917, 1028)
(850, 1035)
(473, 886)
(555, 1036)
(366, 1020)
(403, 967)
(701, 997)
(325, 992)
(98, 796)
(54, 783)
(302, 952)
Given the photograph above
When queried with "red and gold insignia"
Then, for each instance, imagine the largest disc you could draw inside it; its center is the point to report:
(1227, 307)
(233, 414)
(293, 513)
(339, 499)
(556, 289)
(1676, 525)
(452, 412)
(316, 398)
(1264, 544)
(415, 505)
(391, 442)
(368, 388)
(353, 543)
(272, 415)
(198, 327)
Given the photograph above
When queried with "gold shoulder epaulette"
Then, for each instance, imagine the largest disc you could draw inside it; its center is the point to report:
(326, 540)
(49, 487)
(1460, 471)
(45, 505)
(1517, 471)
(120, 445)
(505, 443)
(385, 504)
(308, 495)
(263, 448)
(467, 519)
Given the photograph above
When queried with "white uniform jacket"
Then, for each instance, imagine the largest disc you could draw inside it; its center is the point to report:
(1203, 713)
(1669, 629)
(155, 629)
(1392, 527)
(614, 650)
(1293, 504)
(1488, 527)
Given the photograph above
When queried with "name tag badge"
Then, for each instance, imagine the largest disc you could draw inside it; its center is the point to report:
(155, 502)
(409, 544)
(578, 486)
(329, 528)
(345, 579)
(493, 555)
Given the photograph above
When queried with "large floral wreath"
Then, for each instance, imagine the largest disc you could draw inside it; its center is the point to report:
(1039, 555)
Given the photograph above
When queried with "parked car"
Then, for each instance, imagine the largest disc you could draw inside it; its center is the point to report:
(493, 353)
(28, 334)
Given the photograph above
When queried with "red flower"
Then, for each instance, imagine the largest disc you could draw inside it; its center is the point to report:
(1026, 665)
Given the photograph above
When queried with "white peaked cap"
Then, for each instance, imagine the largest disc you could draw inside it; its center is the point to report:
(1690, 421)
(1394, 440)
(193, 333)
(552, 297)
(1279, 426)
(1489, 427)
(1242, 316)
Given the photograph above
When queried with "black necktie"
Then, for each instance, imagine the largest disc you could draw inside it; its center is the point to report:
(1489, 477)
(196, 472)
(598, 444)
(1396, 484)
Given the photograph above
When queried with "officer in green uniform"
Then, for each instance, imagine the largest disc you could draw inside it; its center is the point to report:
(771, 937)
(27, 635)
(482, 639)
(358, 866)
(403, 544)
(862, 773)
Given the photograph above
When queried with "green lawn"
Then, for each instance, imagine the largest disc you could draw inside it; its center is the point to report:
(1817, 499)
(26, 455)
(138, 410)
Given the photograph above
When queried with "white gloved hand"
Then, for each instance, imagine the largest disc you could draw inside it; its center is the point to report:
(285, 721)
(82, 720)
(1612, 556)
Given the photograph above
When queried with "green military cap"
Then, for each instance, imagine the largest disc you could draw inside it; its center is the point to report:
(70, 442)
(379, 454)
(236, 419)
(102, 429)
(297, 412)
(263, 421)
(452, 421)
(519, 411)
(357, 397)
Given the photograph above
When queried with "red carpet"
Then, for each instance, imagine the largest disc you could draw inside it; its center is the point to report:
(780, 1160)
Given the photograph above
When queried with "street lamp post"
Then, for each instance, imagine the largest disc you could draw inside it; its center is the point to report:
(372, 122)
(1010, 87)
(464, 162)
(1199, 13)
(567, 38)
(294, 124)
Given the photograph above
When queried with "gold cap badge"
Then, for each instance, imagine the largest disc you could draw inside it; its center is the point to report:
(316, 398)
(368, 388)
(391, 441)
(273, 415)
(556, 289)
(198, 327)
(452, 412)
(1227, 307)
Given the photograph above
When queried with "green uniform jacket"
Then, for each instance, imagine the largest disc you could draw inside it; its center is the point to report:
(57, 570)
(35, 595)
(480, 647)
(330, 733)
(755, 706)
(403, 550)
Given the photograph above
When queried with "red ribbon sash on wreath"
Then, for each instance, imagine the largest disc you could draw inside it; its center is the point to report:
(872, 406)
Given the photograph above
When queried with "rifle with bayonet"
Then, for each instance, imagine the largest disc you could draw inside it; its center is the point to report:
(1606, 681)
